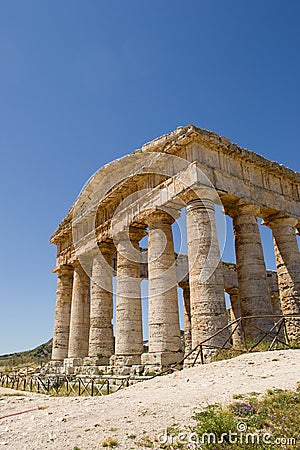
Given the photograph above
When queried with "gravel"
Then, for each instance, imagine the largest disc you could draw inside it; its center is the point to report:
(140, 412)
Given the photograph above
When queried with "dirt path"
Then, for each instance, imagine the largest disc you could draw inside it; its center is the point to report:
(142, 410)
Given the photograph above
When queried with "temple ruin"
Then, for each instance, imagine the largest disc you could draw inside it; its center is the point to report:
(143, 194)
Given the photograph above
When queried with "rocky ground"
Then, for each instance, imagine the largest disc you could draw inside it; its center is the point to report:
(141, 412)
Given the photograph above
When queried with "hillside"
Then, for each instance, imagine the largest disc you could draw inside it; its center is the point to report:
(29, 358)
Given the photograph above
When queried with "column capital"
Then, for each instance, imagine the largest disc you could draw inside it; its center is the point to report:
(200, 192)
(157, 216)
(64, 269)
(200, 203)
(132, 233)
(279, 220)
(232, 290)
(184, 285)
(75, 263)
(107, 248)
(241, 207)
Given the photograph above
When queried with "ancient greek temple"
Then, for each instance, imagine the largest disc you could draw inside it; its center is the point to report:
(139, 197)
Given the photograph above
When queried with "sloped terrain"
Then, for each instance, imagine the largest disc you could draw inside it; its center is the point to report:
(144, 410)
(35, 357)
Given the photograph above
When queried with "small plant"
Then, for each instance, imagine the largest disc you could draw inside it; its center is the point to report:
(145, 442)
(238, 396)
(131, 436)
(151, 374)
(276, 413)
(214, 419)
(110, 442)
(244, 409)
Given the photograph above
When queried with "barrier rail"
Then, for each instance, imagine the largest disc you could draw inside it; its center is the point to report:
(66, 385)
(276, 337)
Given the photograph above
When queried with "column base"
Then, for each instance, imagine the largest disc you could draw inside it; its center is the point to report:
(162, 359)
(71, 363)
(125, 360)
(55, 364)
(207, 357)
(96, 361)
(53, 367)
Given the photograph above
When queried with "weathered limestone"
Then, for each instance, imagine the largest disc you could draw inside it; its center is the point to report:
(80, 315)
(187, 317)
(62, 313)
(288, 269)
(101, 338)
(163, 176)
(208, 309)
(252, 276)
(276, 308)
(235, 313)
(129, 332)
(164, 330)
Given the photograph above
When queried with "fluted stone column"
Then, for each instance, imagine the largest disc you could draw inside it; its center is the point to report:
(164, 328)
(252, 276)
(101, 338)
(129, 328)
(288, 269)
(80, 315)
(187, 318)
(235, 313)
(275, 300)
(208, 308)
(62, 313)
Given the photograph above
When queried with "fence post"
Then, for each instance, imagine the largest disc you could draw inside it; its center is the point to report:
(201, 354)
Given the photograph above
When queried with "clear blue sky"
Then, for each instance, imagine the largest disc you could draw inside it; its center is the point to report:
(85, 82)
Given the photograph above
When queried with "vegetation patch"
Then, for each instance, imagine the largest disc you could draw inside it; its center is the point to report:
(260, 422)
(38, 356)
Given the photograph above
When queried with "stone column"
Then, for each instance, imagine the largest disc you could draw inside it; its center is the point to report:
(235, 313)
(164, 328)
(288, 269)
(276, 308)
(252, 275)
(187, 317)
(129, 328)
(80, 316)
(101, 339)
(62, 313)
(208, 308)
